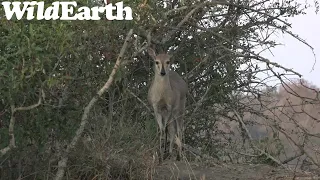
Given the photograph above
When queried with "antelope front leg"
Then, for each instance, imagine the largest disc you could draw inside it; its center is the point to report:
(171, 130)
(160, 148)
(161, 129)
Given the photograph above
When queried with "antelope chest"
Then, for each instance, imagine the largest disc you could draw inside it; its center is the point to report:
(161, 97)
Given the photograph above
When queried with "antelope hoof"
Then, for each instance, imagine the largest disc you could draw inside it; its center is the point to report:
(178, 158)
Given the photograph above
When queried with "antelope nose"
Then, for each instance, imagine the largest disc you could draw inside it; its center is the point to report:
(163, 73)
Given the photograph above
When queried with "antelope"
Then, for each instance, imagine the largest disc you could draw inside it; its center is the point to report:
(167, 95)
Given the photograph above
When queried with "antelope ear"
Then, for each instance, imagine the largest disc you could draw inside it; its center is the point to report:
(152, 53)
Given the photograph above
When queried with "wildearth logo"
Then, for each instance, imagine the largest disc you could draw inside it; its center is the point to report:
(67, 11)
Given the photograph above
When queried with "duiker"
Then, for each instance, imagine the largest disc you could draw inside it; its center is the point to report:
(167, 95)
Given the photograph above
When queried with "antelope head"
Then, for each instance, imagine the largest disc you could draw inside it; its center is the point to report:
(162, 62)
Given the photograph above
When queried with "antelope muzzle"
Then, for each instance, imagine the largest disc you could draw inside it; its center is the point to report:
(162, 72)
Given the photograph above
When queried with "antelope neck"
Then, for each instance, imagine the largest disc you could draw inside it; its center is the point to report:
(162, 80)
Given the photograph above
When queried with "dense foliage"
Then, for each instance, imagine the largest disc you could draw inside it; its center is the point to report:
(65, 63)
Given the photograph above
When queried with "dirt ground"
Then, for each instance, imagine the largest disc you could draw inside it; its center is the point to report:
(195, 171)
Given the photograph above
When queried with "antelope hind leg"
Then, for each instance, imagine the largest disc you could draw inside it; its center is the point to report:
(179, 137)
(172, 134)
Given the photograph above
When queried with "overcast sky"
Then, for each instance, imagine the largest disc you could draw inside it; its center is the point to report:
(294, 54)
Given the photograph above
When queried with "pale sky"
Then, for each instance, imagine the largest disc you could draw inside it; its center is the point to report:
(296, 55)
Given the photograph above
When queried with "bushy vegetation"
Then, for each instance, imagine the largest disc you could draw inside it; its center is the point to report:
(50, 70)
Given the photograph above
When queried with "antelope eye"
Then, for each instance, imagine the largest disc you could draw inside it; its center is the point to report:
(157, 62)
(168, 62)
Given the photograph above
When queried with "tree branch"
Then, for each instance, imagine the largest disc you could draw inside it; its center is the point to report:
(12, 141)
(62, 164)
(251, 139)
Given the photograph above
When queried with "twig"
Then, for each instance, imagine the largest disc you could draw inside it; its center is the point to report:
(292, 158)
(64, 159)
(307, 44)
(255, 56)
(262, 59)
(185, 19)
(175, 10)
(134, 95)
(199, 103)
(145, 44)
